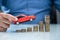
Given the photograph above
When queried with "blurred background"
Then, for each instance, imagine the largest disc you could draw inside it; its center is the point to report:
(54, 15)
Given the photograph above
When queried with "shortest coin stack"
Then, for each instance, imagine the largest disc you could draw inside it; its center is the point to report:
(22, 30)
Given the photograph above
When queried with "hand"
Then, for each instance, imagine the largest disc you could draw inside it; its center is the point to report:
(5, 20)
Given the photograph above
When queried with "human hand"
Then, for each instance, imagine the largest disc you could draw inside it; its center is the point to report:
(5, 20)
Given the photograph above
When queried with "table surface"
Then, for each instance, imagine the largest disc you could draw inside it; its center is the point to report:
(54, 34)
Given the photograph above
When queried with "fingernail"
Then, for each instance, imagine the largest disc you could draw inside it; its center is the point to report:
(15, 19)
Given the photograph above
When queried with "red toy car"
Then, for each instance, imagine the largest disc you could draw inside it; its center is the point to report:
(22, 19)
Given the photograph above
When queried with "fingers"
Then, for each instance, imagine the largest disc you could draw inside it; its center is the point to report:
(2, 29)
(8, 16)
(4, 20)
(4, 25)
(12, 17)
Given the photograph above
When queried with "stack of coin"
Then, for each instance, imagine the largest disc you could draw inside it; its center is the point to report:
(47, 23)
(41, 26)
(35, 28)
(22, 30)
(18, 30)
(29, 29)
